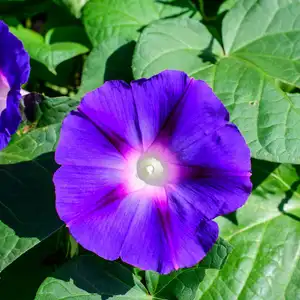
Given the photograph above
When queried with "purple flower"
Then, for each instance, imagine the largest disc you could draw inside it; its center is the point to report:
(145, 169)
(14, 71)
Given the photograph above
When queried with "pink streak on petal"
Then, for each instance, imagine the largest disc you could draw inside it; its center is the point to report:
(156, 193)
(161, 201)
(116, 195)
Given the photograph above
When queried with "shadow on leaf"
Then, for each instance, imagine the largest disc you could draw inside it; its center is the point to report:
(35, 262)
(92, 275)
(288, 196)
(260, 171)
(207, 54)
(27, 197)
(118, 64)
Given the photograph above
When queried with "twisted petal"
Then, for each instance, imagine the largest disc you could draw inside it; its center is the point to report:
(14, 71)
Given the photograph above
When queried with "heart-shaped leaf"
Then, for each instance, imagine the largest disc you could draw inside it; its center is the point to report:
(184, 284)
(106, 18)
(27, 208)
(113, 27)
(89, 277)
(115, 63)
(40, 137)
(257, 56)
(265, 260)
(39, 49)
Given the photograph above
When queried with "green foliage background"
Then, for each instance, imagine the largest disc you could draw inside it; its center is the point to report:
(249, 53)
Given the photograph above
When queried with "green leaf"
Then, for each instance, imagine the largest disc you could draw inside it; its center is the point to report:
(181, 285)
(54, 110)
(255, 43)
(39, 262)
(182, 44)
(113, 27)
(27, 209)
(184, 283)
(212, 8)
(43, 136)
(74, 6)
(73, 33)
(89, 277)
(39, 49)
(24, 8)
(265, 260)
(115, 63)
(257, 56)
(217, 256)
(226, 5)
(118, 18)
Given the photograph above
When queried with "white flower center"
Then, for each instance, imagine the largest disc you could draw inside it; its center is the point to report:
(151, 170)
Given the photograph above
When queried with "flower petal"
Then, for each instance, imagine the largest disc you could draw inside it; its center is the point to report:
(223, 149)
(142, 228)
(14, 71)
(199, 134)
(212, 196)
(10, 117)
(82, 144)
(163, 240)
(79, 190)
(155, 98)
(112, 109)
(14, 60)
(4, 139)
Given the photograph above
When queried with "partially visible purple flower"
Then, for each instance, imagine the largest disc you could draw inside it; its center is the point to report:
(145, 169)
(14, 71)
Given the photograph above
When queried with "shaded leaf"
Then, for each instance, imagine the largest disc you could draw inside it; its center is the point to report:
(74, 6)
(264, 263)
(30, 142)
(106, 18)
(27, 209)
(115, 63)
(90, 277)
(175, 44)
(39, 49)
(113, 27)
(217, 256)
(184, 283)
(27, 213)
(258, 54)
(35, 262)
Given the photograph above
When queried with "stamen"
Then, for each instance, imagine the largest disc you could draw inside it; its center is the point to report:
(151, 170)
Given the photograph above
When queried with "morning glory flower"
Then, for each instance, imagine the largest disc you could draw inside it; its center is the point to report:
(14, 71)
(146, 167)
